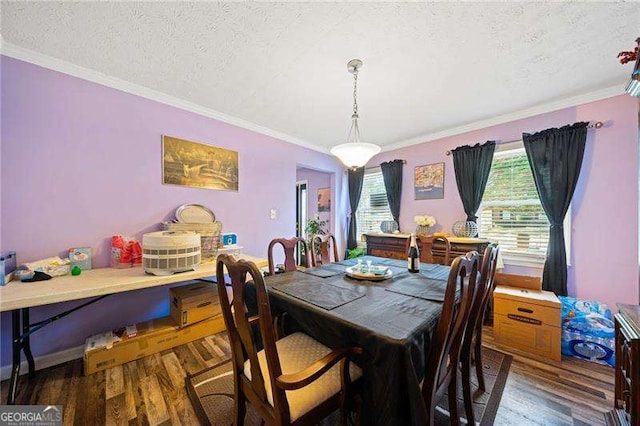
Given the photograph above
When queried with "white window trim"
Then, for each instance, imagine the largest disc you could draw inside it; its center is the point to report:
(530, 260)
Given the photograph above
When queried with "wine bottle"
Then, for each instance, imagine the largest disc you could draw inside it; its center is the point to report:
(413, 256)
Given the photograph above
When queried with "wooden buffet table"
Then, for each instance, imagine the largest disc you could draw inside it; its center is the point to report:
(627, 390)
(99, 283)
(395, 246)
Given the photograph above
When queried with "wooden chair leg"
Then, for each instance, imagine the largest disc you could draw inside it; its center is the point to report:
(466, 389)
(479, 365)
(239, 409)
(454, 417)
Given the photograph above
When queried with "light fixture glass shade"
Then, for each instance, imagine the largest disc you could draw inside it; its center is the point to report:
(633, 88)
(355, 154)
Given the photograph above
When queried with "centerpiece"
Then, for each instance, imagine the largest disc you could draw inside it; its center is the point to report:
(423, 223)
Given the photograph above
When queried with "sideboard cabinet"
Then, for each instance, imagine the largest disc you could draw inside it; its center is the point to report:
(395, 246)
(627, 390)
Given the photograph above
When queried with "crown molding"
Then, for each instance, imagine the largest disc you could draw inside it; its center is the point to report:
(49, 62)
(556, 105)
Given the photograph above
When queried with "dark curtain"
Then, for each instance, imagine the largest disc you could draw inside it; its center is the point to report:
(392, 175)
(472, 165)
(555, 157)
(356, 177)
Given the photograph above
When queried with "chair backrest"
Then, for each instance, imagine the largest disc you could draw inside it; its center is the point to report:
(445, 346)
(322, 245)
(289, 246)
(244, 339)
(481, 297)
(426, 248)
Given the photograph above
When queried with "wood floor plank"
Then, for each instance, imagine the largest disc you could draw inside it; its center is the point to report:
(116, 410)
(174, 369)
(156, 408)
(71, 394)
(114, 381)
(136, 410)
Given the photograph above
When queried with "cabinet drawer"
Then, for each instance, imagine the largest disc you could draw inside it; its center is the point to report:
(541, 340)
(524, 312)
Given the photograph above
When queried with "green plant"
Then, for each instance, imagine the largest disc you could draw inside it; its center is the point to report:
(356, 252)
(315, 226)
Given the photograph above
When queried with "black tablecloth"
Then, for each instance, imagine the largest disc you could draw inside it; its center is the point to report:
(394, 330)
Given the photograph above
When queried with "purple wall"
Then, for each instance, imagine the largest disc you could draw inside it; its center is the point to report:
(604, 261)
(316, 180)
(81, 162)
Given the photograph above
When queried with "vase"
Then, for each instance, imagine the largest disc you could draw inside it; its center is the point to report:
(422, 230)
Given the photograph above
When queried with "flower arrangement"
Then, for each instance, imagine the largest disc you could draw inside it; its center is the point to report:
(424, 220)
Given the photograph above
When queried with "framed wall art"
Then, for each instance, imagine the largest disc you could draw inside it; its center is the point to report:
(428, 182)
(198, 165)
(324, 200)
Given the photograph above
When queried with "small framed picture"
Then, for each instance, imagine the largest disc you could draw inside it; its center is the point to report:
(324, 199)
(428, 182)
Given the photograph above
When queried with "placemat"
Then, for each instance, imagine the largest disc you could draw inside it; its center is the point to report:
(324, 271)
(427, 289)
(323, 295)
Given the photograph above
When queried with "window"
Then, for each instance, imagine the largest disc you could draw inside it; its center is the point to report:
(511, 213)
(374, 206)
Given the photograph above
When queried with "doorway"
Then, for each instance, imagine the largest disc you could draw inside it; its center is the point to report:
(302, 203)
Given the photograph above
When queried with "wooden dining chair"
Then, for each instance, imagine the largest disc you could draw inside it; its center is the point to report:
(443, 357)
(294, 380)
(321, 246)
(472, 341)
(289, 247)
(426, 249)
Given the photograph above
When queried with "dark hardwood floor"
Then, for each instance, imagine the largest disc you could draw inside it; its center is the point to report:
(151, 390)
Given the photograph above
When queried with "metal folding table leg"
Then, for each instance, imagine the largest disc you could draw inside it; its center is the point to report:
(16, 347)
(26, 342)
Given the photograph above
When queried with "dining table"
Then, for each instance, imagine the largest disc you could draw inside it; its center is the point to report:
(391, 317)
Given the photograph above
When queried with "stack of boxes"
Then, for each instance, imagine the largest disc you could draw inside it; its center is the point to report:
(194, 313)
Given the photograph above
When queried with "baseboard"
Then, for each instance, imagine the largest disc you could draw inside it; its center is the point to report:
(45, 361)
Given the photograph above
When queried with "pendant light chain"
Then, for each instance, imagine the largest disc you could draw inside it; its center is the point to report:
(355, 129)
(355, 93)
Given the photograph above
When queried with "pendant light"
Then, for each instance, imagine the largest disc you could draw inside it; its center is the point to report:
(355, 153)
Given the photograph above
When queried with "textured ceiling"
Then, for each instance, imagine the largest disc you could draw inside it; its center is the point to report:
(428, 67)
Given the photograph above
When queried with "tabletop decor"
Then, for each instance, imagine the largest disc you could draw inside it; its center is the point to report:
(195, 164)
(423, 223)
(428, 182)
(465, 229)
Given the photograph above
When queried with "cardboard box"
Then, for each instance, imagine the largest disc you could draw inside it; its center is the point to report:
(107, 350)
(527, 320)
(193, 302)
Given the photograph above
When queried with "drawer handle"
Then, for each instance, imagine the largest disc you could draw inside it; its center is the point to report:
(528, 311)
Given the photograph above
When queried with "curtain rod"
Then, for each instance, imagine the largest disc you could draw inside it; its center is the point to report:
(596, 125)
(375, 167)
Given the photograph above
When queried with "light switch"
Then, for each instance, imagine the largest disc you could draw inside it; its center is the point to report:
(274, 213)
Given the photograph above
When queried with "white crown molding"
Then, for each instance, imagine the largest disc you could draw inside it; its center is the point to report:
(512, 116)
(45, 61)
(26, 55)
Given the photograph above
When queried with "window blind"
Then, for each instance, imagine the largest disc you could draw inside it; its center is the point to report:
(511, 213)
(374, 206)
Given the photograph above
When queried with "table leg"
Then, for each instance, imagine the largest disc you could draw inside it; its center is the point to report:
(26, 342)
(15, 369)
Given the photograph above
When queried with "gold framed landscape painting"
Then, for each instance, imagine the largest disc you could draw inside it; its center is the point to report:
(198, 165)
(428, 182)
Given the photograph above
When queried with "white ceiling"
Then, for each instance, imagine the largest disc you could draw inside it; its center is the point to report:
(428, 67)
